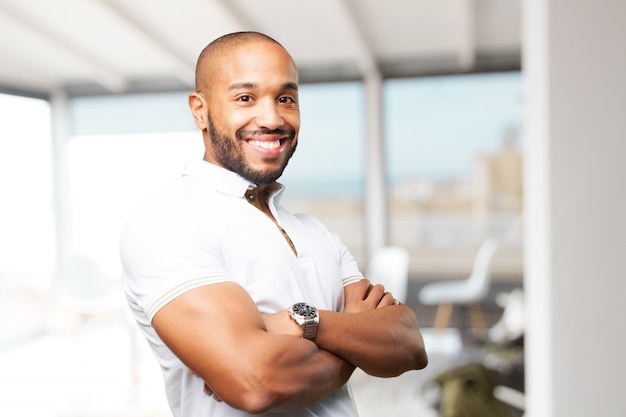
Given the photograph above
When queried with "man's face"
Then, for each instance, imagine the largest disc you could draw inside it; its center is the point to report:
(253, 115)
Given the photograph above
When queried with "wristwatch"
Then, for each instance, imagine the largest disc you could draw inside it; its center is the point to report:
(306, 316)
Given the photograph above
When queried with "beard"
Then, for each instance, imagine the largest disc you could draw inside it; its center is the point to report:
(230, 154)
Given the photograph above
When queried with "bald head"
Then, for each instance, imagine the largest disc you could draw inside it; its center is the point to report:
(210, 57)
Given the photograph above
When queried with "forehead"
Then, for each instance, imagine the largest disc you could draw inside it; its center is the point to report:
(260, 63)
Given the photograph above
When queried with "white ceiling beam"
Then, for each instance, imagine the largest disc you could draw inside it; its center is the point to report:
(467, 34)
(183, 69)
(104, 76)
(366, 61)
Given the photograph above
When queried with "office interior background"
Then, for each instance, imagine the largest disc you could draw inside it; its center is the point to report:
(530, 153)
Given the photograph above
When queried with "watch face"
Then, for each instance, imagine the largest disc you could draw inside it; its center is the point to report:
(304, 310)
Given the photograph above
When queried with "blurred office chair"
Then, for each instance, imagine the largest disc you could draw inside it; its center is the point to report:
(389, 266)
(470, 291)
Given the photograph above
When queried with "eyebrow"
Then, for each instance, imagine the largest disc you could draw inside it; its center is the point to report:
(247, 85)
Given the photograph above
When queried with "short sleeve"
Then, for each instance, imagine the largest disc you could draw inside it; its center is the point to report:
(164, 255)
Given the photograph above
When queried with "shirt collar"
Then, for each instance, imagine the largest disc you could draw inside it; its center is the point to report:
(225, 181)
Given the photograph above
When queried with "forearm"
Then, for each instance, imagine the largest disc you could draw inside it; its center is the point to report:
(241, 361)
(298, 368)
(383, 342)
(283, 379)
(301, 373)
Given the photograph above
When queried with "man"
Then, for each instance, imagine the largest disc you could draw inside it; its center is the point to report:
(248, 308)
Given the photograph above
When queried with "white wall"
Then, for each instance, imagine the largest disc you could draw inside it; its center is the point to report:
(575, 69)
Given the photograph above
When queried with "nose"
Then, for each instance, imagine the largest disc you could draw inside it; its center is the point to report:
(269, 115)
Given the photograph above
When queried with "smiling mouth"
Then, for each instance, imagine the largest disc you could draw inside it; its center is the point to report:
(265, 144)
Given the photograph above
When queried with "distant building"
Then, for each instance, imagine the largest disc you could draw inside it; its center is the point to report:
(497, 179)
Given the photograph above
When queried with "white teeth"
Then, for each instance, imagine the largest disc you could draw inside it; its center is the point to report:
(265, 144)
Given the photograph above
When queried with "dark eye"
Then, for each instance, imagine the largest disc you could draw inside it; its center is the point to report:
(287, 100)
(245, 99)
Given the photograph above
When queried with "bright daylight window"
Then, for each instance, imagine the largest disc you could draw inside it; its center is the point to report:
(454, 157)
(123, 149)
(27, 242)
(27, 224)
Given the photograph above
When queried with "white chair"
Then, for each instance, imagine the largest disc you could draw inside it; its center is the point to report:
(389, 266)
(470, 291)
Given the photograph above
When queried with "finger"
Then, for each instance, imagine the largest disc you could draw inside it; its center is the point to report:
(376, 293)
(208, 391)
(386, 300)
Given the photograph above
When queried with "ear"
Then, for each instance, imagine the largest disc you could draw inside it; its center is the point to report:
(199, 110)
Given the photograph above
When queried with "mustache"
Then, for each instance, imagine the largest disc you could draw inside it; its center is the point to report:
(282, 131)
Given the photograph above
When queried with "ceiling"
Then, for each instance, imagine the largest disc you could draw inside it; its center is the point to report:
(86, 47)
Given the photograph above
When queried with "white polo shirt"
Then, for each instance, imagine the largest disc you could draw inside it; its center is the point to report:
(200, 230)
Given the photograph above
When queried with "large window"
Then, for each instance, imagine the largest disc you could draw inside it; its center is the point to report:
(454, 157)
(27, 233)
(330, 160)
(27, 244)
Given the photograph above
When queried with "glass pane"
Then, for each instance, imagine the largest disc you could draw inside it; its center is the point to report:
(330, 159)
(454, 152)
(27, 239)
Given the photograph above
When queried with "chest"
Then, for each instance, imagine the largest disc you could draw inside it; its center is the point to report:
(257, 253)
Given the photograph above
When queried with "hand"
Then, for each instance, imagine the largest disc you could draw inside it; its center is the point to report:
(208, 391)
(363, 296)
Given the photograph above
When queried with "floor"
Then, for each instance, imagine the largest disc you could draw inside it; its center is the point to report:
(85, 369)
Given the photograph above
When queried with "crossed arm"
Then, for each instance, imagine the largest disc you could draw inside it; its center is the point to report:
(259, 363)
